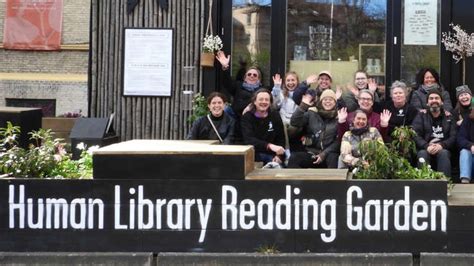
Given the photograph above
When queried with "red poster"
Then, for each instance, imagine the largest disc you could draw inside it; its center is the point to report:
(33, 24)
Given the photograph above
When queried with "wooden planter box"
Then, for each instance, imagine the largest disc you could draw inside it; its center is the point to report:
(60, 126)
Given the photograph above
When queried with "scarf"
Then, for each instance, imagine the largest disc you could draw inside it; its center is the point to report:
(327, 114)
(427, 89)
(359, 131)
(250, 87)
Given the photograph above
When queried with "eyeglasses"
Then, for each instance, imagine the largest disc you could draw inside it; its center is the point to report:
(252, 75)
(365, 99)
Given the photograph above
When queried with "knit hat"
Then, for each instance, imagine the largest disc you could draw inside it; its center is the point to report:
(462, 89)
(325, 72)
(328, 93)
(434, 91)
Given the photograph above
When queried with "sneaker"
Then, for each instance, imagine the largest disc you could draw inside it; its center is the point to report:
(465, 180)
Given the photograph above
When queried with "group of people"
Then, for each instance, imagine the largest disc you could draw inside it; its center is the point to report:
(297, 125)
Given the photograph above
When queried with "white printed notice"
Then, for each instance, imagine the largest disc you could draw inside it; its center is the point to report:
(421, 22)
(147, 69)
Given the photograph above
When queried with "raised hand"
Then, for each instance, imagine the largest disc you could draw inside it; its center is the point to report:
(342, 115)
(372, 85)
(277, 80)
(223, 59)
(311, 79)
(385, 117)
(353, 89)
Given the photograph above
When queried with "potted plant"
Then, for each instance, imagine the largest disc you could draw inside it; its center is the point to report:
(211, 44)
(461, 44)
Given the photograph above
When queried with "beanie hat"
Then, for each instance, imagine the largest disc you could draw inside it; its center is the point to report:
(328, 93)
(462, 89)
(434, 91)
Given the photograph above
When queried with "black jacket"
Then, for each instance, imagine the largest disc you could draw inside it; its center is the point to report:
(259, 132)
(240, 96)
(419, 99)
(423, 127)
(202, 129)
(323, 132)
(465, 136)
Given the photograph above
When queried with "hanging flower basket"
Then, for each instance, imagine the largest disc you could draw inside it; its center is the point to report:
(207, 59)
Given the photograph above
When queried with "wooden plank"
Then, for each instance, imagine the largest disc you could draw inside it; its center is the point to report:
(143, 146)
(299, 174)
(461, 195)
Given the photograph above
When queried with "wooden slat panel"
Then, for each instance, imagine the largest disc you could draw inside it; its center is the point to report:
(144, 117)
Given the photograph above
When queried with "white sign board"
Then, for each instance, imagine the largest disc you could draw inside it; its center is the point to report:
(421, 22)
(147, 69)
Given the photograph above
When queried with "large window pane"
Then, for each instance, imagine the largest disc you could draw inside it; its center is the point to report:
(251, 26)
(341, 36)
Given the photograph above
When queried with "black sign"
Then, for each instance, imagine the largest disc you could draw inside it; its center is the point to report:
(174, 215)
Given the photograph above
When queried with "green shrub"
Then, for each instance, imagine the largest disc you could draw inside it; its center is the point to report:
(47, 157)
(380, 161)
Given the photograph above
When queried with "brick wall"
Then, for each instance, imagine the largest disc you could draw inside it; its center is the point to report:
(70, 95)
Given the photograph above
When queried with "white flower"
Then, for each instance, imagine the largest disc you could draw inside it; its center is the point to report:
(460, 43)
(422, 160)
(212, 43)
(354, 171)
(81, 146)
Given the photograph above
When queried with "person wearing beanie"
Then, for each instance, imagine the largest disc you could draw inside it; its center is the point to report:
(319, 126)
(366, 102)
(463, 104)
(435, 134)
(427, 79)
(324, 81)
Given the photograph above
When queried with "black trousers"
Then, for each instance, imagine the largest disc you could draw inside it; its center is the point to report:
(305, 160)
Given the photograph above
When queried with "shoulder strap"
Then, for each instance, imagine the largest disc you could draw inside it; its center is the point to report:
(214, 127)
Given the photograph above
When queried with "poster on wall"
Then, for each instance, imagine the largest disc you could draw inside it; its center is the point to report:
(147, 67)
(33, 24)
(420, 22)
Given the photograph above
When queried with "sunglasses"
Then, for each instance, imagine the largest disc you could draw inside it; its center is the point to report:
(460, 88)
(252, 75)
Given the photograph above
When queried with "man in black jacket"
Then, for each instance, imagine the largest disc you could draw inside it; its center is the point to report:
(436, 133)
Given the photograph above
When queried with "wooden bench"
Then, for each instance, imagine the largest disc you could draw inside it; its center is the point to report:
(297, 174)
(173, 159)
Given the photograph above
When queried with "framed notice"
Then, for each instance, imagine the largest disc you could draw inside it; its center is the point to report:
(420, 22)
(147, 67)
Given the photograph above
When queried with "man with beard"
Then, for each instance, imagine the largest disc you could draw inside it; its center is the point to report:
(436, 133)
